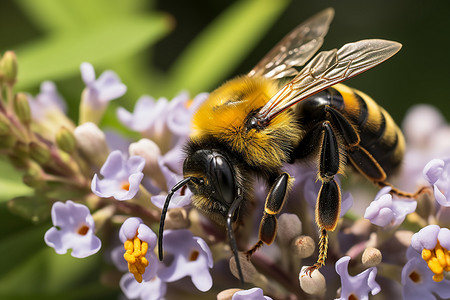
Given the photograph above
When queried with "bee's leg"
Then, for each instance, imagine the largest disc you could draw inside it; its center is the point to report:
(361, 159)
(274, 203)
(366, 164)
(328, 204)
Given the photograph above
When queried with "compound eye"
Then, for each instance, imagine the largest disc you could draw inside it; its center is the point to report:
(224, 179)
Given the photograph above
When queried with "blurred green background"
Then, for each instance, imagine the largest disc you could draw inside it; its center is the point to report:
(162, 47)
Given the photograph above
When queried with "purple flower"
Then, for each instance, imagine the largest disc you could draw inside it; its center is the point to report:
(357, 286)
(166, 123)
(120, 177)
(139, 242)
(427, 136)
(182, 109)
(147, 290)
(384, 211)
(191, 257)
(46, 101)
(171, 166)
(251, 294)
(429, 236)
(417, 282)
(100, 91)
(437, 173)
(433, 243)
(147, 113)
(73, 229)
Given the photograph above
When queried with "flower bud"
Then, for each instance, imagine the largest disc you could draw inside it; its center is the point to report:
(227, 294)
(91, 111)
(22, 108)
(150, 151)
(65, 140)
(4, 125)
(7, 141)
(39, 152)
(21, 149)
(289, 227)
(314, 285)
(371, 257)
(91, 142)
(8, 67)
(34, 176)
(19, 162)
(249, 271)
(303, 246)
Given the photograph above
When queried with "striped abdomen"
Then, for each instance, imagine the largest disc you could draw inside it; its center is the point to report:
(378, 133)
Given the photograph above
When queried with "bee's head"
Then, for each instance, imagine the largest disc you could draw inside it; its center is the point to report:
(215, 187)
(212, 179)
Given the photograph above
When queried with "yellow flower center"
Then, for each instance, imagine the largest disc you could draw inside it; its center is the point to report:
(438, 260)
(188, 103)
(415, 277)
(83, 230)
(135, 256)
(194, 255)
(125, 186)
(353, 297)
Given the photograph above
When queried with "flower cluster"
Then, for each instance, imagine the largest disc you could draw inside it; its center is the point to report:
(120, 186)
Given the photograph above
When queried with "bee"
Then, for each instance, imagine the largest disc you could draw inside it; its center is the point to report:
(274, 115)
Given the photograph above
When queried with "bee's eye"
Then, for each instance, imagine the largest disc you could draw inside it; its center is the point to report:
(223, 180)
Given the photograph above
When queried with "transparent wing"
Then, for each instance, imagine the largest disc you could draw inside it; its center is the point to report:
(296, 48)
(326, 69)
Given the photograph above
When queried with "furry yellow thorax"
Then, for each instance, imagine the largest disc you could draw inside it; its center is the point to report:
(224, 113)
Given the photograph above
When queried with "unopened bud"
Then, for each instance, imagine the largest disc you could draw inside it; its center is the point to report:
(19, 162)
(91, 109)
(177, 218)
(371, 257)
(303, 246)
(8, 67)
(249, 271)
(314, 284)
(91, 142)
(4, 125)
(39, 152)
(34, 176)
(21, 149)
(7, 142)
(289, 227)
(65, 140)
(22, 108)
(150, 151)
(227, 294)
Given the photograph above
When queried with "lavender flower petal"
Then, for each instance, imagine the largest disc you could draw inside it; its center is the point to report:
(360, 285)
(250, 294)
(73, 229)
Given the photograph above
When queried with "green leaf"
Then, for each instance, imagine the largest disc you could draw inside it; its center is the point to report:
(56, 15)
(214, 54)
(60, 55)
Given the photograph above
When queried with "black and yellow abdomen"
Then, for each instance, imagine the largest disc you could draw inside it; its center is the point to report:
(379, 136)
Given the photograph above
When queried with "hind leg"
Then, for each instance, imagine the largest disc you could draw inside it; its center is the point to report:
(328, 205)
(366, 164)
